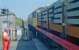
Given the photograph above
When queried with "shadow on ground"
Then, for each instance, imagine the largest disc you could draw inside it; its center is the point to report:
(25, 44)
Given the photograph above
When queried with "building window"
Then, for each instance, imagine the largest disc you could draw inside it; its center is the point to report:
(74, 1)
(58, 7)
(73, 9)
(51, 18)
(50, 10)
(57, 13)
(73, 17)
(57, 18)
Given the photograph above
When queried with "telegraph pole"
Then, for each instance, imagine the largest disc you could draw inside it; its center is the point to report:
(9, 27)
(5, 12)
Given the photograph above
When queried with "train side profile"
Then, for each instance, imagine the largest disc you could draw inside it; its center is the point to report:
(60, 22)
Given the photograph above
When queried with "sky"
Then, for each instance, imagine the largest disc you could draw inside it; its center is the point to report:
(22, 8)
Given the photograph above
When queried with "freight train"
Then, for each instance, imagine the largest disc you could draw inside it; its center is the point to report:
(60, 19)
